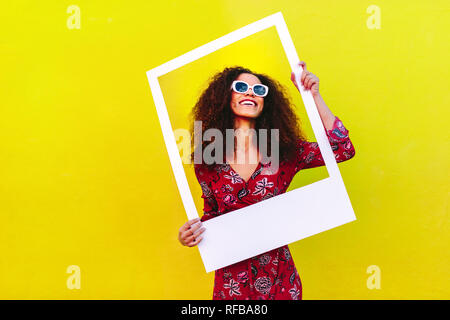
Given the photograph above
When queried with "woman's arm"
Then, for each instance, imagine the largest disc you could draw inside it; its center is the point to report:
(311, 82)
(309, 155)
(325, 113)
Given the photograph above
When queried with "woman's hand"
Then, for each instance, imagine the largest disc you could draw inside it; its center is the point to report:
(308, 80)
(190, 233)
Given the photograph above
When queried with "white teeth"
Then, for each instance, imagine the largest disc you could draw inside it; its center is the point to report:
(248, 103)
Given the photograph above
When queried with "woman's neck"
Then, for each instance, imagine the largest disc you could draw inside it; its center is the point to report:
(245, 135)
(244, 123)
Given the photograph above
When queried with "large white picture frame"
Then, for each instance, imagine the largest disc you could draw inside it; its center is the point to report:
(274, 222)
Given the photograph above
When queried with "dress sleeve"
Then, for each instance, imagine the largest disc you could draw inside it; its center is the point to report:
(309, 156)
(204, 177)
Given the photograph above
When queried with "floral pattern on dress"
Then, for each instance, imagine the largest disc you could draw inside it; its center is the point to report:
(234, 177)
(233, 286)
(242, 277)
(262, 186)
(263, 285)
(295, 293)
(271, 275)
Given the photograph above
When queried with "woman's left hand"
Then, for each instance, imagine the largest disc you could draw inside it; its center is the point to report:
(308, 80)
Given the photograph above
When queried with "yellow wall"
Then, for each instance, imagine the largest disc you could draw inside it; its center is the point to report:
(85, 179)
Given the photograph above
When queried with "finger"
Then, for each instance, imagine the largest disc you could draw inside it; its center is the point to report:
(195, 227)
(314, 81)
(185, 241)
(186, 234)
(308, 81)
(311, 80)
(193, 221)
(199, 232)
(183, 228)
(303, 65)
(293, 78)
(195, 242)
(294, 81)
(305, 81)
(304, 74)
(189, 239)
(188, 224)
(194, 236)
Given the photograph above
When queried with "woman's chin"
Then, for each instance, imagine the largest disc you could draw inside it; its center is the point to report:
(247, 115)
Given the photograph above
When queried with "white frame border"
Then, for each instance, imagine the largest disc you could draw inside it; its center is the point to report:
(217, 249)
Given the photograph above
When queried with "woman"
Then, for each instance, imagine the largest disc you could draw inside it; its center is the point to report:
(236, 99)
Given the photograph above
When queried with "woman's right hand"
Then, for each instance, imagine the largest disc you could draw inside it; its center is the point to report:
(308, 80)
(190, 233)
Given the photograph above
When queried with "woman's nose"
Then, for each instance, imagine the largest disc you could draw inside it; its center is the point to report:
(248, 92)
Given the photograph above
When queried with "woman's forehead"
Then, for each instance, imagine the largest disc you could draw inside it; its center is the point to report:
(249, 78)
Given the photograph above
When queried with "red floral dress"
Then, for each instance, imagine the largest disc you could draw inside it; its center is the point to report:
(271, 275)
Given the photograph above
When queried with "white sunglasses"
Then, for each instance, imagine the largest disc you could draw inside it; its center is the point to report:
(258, 89)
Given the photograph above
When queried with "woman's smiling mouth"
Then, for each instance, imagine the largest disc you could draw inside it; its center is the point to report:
(247, 102)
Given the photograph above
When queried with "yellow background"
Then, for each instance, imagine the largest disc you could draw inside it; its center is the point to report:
(85, 178)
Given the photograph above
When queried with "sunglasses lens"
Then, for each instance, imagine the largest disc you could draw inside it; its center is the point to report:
(241, 87)
(259, 90)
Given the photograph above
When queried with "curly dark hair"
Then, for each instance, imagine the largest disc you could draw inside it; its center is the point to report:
(213, 109)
